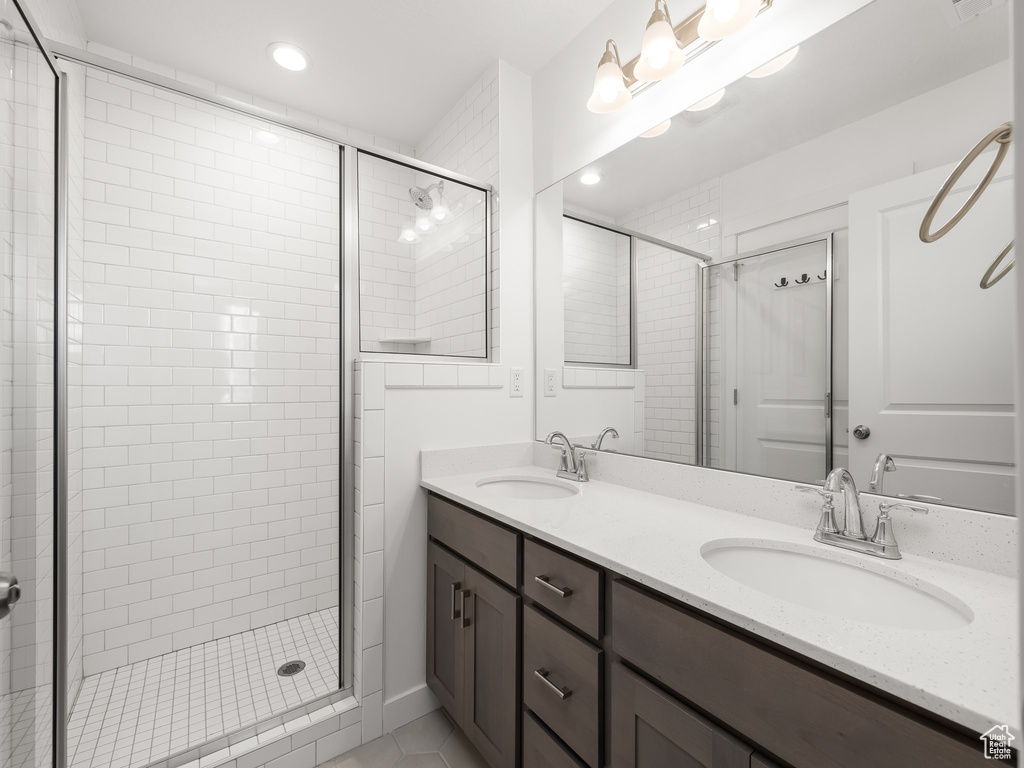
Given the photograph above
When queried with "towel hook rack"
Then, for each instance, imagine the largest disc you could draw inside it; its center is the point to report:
(1002, 135)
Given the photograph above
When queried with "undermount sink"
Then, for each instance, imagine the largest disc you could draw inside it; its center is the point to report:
(860, 591)
(528, 487)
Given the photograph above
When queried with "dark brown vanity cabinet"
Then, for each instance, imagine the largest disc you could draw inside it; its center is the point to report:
(473, 654)
(548, 661)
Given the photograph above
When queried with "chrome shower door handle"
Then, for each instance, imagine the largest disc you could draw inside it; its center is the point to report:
(10, 592)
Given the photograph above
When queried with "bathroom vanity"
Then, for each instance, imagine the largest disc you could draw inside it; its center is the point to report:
(561, 632)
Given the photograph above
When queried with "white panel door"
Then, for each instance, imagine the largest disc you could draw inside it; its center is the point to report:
(780, 343)
(931, 353)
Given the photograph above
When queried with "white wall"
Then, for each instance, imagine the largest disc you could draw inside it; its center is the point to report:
(567, 136)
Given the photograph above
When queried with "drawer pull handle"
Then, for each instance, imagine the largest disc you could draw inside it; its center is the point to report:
(455, 591)
(544, 581)
(463, 594)
(562, 693)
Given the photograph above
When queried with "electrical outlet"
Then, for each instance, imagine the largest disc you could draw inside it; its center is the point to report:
(549, 382)
(517, 382)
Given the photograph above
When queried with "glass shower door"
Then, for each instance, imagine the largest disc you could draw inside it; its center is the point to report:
(28, 90)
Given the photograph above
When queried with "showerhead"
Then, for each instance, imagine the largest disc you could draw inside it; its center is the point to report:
(421, 198)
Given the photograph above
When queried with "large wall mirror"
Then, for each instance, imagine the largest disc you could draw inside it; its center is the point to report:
(745, 287)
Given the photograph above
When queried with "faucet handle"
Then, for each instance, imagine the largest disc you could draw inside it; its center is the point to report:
(883, 528)
(825, 494)
(885, 508)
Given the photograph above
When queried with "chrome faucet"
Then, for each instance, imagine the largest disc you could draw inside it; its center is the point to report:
(883, 464)
(573, 465)
(881, 544)
(596, 445)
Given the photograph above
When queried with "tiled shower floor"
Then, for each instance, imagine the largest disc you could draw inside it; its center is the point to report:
(145, 712)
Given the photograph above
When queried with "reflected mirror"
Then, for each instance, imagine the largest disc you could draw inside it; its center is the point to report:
(748, 289)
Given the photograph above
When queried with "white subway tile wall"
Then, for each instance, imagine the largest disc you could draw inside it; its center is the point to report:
(666, 305)
(595, 275)
(210, 370)
(465, 141)
(425, 297)
(387, 267)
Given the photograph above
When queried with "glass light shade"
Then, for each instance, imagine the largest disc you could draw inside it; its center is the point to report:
(590, 178)
(610, 92)
(440, 212)
(776, 64)
(660, 54)
(707, 102)
(409, 235)
(424, 223)
(657, 130)
(723, 18)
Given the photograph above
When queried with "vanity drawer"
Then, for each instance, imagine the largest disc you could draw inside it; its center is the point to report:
(566, 587)
(488, 545)
(804, 716)
(562, 683)
(541, 749)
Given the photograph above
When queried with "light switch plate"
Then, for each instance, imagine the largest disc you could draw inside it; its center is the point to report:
(516, 383)
(549, 382)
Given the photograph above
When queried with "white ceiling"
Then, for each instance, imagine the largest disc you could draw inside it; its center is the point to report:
(880, 56)
(391, 68)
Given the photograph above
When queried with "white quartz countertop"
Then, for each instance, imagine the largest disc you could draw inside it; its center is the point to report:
(968, 675)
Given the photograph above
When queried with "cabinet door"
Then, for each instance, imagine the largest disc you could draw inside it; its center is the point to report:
(651, 730)
(446, 638)
(491, 715)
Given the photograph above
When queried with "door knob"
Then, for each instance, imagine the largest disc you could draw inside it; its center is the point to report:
(10, 592)
(862, 432)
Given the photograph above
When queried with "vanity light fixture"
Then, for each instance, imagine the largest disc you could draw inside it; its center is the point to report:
(723, 18)
(707, 103)
(666, 48)
(266, 137)
(288, 56)
(660, 54)
(610, 92)
(775, 65)
(657, 130)
(424, 222)
(590, 178)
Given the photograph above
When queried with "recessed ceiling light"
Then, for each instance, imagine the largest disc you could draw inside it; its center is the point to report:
(775, 64)
(266, 137)
(657, 130)
(707, 103)
(288, 56)
(589, 178)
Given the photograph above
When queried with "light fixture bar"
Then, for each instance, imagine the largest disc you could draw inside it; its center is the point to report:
(689, 41)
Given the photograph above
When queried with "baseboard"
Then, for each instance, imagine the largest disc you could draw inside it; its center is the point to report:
(409, 706)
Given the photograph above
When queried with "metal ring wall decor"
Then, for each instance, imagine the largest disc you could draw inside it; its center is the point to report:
(1003, 136)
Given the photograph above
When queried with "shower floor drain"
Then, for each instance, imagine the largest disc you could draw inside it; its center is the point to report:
(291, 668)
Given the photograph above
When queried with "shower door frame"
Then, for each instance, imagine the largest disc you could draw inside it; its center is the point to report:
(59, 714)
(828, 238)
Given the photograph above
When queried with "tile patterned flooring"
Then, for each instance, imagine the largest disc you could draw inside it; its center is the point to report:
(26, 720)
(145, 712)
(430, 742)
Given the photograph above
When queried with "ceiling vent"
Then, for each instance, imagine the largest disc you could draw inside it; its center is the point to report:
(961, 11)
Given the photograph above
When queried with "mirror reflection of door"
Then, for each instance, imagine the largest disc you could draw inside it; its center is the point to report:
(772, 340)
(931, 353)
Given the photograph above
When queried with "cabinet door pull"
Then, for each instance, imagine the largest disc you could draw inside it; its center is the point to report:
(455, 591)
(544, 581)
(463, 594)
(562, 693)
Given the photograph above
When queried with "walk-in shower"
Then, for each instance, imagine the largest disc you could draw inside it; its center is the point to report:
(172, 430)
